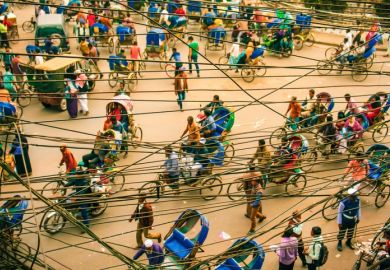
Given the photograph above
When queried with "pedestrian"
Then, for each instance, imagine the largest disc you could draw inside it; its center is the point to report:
(296, 224)
(193, 55)
(68, 159)
(181, 87)
(84, 47)
(71, 98)
(82, 86)
(144, 215)
(256, 194)
(153, 252)
(20, 149)
(263, 156)
(135, 55)
(287, 250)
(314, 249)
(177, 57)
(3, 35)
(348, 216)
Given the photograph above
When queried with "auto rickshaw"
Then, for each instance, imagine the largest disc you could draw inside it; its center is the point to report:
(53, 26)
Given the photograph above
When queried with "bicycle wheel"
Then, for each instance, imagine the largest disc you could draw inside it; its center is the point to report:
(113, 79)
(324, 67)
(260, 70)
(151, 189)
(370, 61)
(296, 184)
(223, 60)
(359, 72)
(330, 209)
(382, 195)
(356, 265)
(28, 26)
(276, 137)
(380, 132)
(24, 98)
(229, 153)
(298, 42)
(54, 223)
(309, 40)
(235, 191)
(211, 187)
(118, 181)
(331, 53)
(131, 82)
(136, 138)
(308, 160)
(170, 70)
(99, 209)
(51, 188)
(111, 45)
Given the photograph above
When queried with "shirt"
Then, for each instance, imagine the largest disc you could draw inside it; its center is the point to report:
(209, 123)
(3, 28)
(176, 56)
(353, 107)
(164, 16)
(69, 160)
(155, 257)
(193, 132)
(295, 109)
(313, 253)
(39, 59)
(91, 18)
(135, 51)
(172, 165)
(5, 96)
(341, 210)
(235, 50)
(8, 80)
(358, 169)
(194, 48)
(287, 250)
(15, 66)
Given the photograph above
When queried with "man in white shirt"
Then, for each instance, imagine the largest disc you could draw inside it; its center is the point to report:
(349, 37)
(164, 15)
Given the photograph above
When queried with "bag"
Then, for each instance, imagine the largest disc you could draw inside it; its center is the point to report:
(324, 254)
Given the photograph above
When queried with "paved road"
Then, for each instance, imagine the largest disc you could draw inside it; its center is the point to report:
(157, 112)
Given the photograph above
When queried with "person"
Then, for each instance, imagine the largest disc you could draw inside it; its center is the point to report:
(193, 135)
(71, 98)
(214, 104)
(82, 86)
(351, 106)
(20, 149)
(177, 57)
(181, 86)
(9, 83)
(374, 107)
(180, 11)
(84, 46)
(358, 168)
(128, 21)
(9, 213)
(93, 52)
(348, 216)
(4, 96)
(135, 55)
(3, 35)
(208, 126)
(263, 155)
(48, 45)
(17, 70)
(384, 245)
(296, 224)
(144, 215)
(38, 59)
(98, 154)
(349, 37)
(193, 55)
(153, 252)
(344, 51)
(7, 57)
(81, 30)
(287, 250)
(313, 251)
(309, 100)
(233, 55)
(355, 127)
(172, 170)
(164, 15)
(68, 159)
(91, 20)
(327, 136)
(295, 112)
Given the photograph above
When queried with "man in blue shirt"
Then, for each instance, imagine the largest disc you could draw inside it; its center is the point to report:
(208, 125)
(348, 217)
(172, 170)
(154, 253)
(177, 57)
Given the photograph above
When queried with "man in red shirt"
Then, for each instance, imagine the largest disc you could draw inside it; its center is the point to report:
(180, 11)
(135, 54)
(68, 159)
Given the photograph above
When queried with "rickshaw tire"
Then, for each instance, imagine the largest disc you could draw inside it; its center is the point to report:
(112, 79)
(211, 181)
(111, 45)
(377, 129)
(298, 42)
(154, 189)
(231, 195)
(282, 131)
(22, 256)
(228, 146)
(384, 188)
(296, 176)
(24, 98)
(28, 26)
(247, 74)
(310, 40)
(62, 106)
(356, 265)
(132, 82)
(45, 221)
(101, 210)
(330, 52)
(324, 67)
(332, 204)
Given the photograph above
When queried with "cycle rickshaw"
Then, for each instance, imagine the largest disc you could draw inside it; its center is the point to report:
(216, 40)
(13, 33)
(302, 32)
(125, 37)
(156, 47)
(153, 17)
(117, 12)
(15, 213)
(180, 243)
(376, 183)
(104, 39)
(121, 70)
(178, 26)
(255, 67)
(380, 104)
(239, 253)
(9, 114)
(194, 9)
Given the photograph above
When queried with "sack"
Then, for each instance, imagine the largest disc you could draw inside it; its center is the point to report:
(324, 254)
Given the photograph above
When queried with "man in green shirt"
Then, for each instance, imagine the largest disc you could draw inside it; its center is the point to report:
(193, 54)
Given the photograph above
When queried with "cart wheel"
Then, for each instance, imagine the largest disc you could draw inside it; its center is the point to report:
(235, 190)
(380, 132)
(382, 195)
(324, 67)
(370, 61)
(131, 82)
(298, 42)
(100, 209)
(113, 79)
(24, 98)
(19, 112)
(172, 42)
(248, 73)
(136, 138)
(62, 106)
(353, 150)
(111, 45)
(49, 188)
(170, 70)
(359, 72)
(287, 53)
(330, 209)
(117, 46)
(378, 235)
(118, 181)
(54, 223)
(310, 40)
(331, 53)
(296, 184)
(151, 189)
(229, 152)
(142, 67)
(223, 60)
(211, 187)
(260, 69)
(276, 137)
(308, 160)
(28, 26)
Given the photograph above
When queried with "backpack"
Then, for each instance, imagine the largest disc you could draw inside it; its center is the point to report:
(324, 254)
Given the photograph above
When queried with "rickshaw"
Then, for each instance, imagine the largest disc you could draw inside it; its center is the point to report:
(302, 32)
(125, 37)
(216, 40)
(181, 246)
(13, 33)
(70, 10)
(178, 26)
(117, 12)
(119, 66)
(283, 47)
(136, 4)
(15, 214)
(379, 126)
(206, 21)
(194, 9)
(47, 79)
(53, 26)
(255, 67)
(300, 146)
(104, 39)
(376, 184)
(244, 254)
(153, 16)
(156, 46)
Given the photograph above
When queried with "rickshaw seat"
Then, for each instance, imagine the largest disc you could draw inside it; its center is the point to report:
(295, 145)
(229, 264)
(218, 34)
(375, 172)
(179, 245)
(123, 32)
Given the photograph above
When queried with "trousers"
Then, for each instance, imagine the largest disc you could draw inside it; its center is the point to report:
(145, 231)
(256, 213)
(83, 100)
(347, 226)
(194, 59)
(181, 96)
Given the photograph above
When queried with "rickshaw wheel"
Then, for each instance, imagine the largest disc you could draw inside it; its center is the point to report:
(359, 71)
(370, 61)
(111, 45)
(298, 43)
(248, 74)
(19, 112)
(152, 189)
(28, 26)
(136, 138)
(356, 265)
(54, 223)
(131, 82)
(353, 150)
(211, 187)
(117, 46)
(276, 137)
(331, 53)
(235, 190)
(287, 53)
(310, 40)
(308, 160)
(296, 184)
(14, 36)
(382, 195)
(229, 152)
(378, 236)
(113, 79)
(380, 132)
(24, 98)
(223, 60)
(47, 190)
(330, 208)
(97, 211)
(324, 67)
(118, 181)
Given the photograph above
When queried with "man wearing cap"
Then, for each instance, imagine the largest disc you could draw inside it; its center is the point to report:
(348, 217)
(154, 253)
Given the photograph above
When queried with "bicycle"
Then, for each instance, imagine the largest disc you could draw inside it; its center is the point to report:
(30, 25)
(305, 37)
